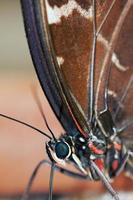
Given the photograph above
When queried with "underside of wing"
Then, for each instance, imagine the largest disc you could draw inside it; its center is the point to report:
(55, 49)
(120, 90)
(60, 35)
(114, 90)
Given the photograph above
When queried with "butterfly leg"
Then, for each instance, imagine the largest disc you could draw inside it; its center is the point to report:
(51, 181)
(53, 167)
(66, 172)
(32, 177)
(71, 173)
(105, 181)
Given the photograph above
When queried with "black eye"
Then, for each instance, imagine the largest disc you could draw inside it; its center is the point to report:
(61, 150)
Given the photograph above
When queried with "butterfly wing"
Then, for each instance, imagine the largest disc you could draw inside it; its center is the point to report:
(60, 57)
(120, 94)
(114, 84)
(114, 89)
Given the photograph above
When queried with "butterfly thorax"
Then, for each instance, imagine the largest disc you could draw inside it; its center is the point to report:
(80, 151)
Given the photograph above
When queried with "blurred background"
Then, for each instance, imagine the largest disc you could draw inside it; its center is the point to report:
(20, 147)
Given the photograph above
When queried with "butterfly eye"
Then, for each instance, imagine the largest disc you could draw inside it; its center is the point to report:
(62, 150)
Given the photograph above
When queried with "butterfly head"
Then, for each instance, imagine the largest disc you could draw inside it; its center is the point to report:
(59, 150)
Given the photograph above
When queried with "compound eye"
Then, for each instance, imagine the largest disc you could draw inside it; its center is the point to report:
(62, 150)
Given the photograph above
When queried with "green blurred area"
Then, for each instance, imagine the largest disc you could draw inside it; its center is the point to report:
(14, 52)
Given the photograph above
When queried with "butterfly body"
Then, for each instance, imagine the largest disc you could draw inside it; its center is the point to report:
(93, 145)
(108, 154)
(77, 150)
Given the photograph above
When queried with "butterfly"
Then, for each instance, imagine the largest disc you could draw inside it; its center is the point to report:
(76, 49)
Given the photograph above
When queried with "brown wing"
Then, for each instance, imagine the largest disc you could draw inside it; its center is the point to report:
(116, 74)
(71, 33)
(70, 30)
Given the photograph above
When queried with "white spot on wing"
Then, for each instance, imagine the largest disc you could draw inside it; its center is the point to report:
(112, 93)
(103, 40)
(117, 63)
(60, 60)
(115, 59)
(55, 13)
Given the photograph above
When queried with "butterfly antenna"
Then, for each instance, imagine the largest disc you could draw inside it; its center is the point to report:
(51, 180)
(105, 181)
(26, 124)
(32, 178)
(37, 100)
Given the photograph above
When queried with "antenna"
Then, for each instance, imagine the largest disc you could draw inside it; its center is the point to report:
(37, 100)
(26, 124)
